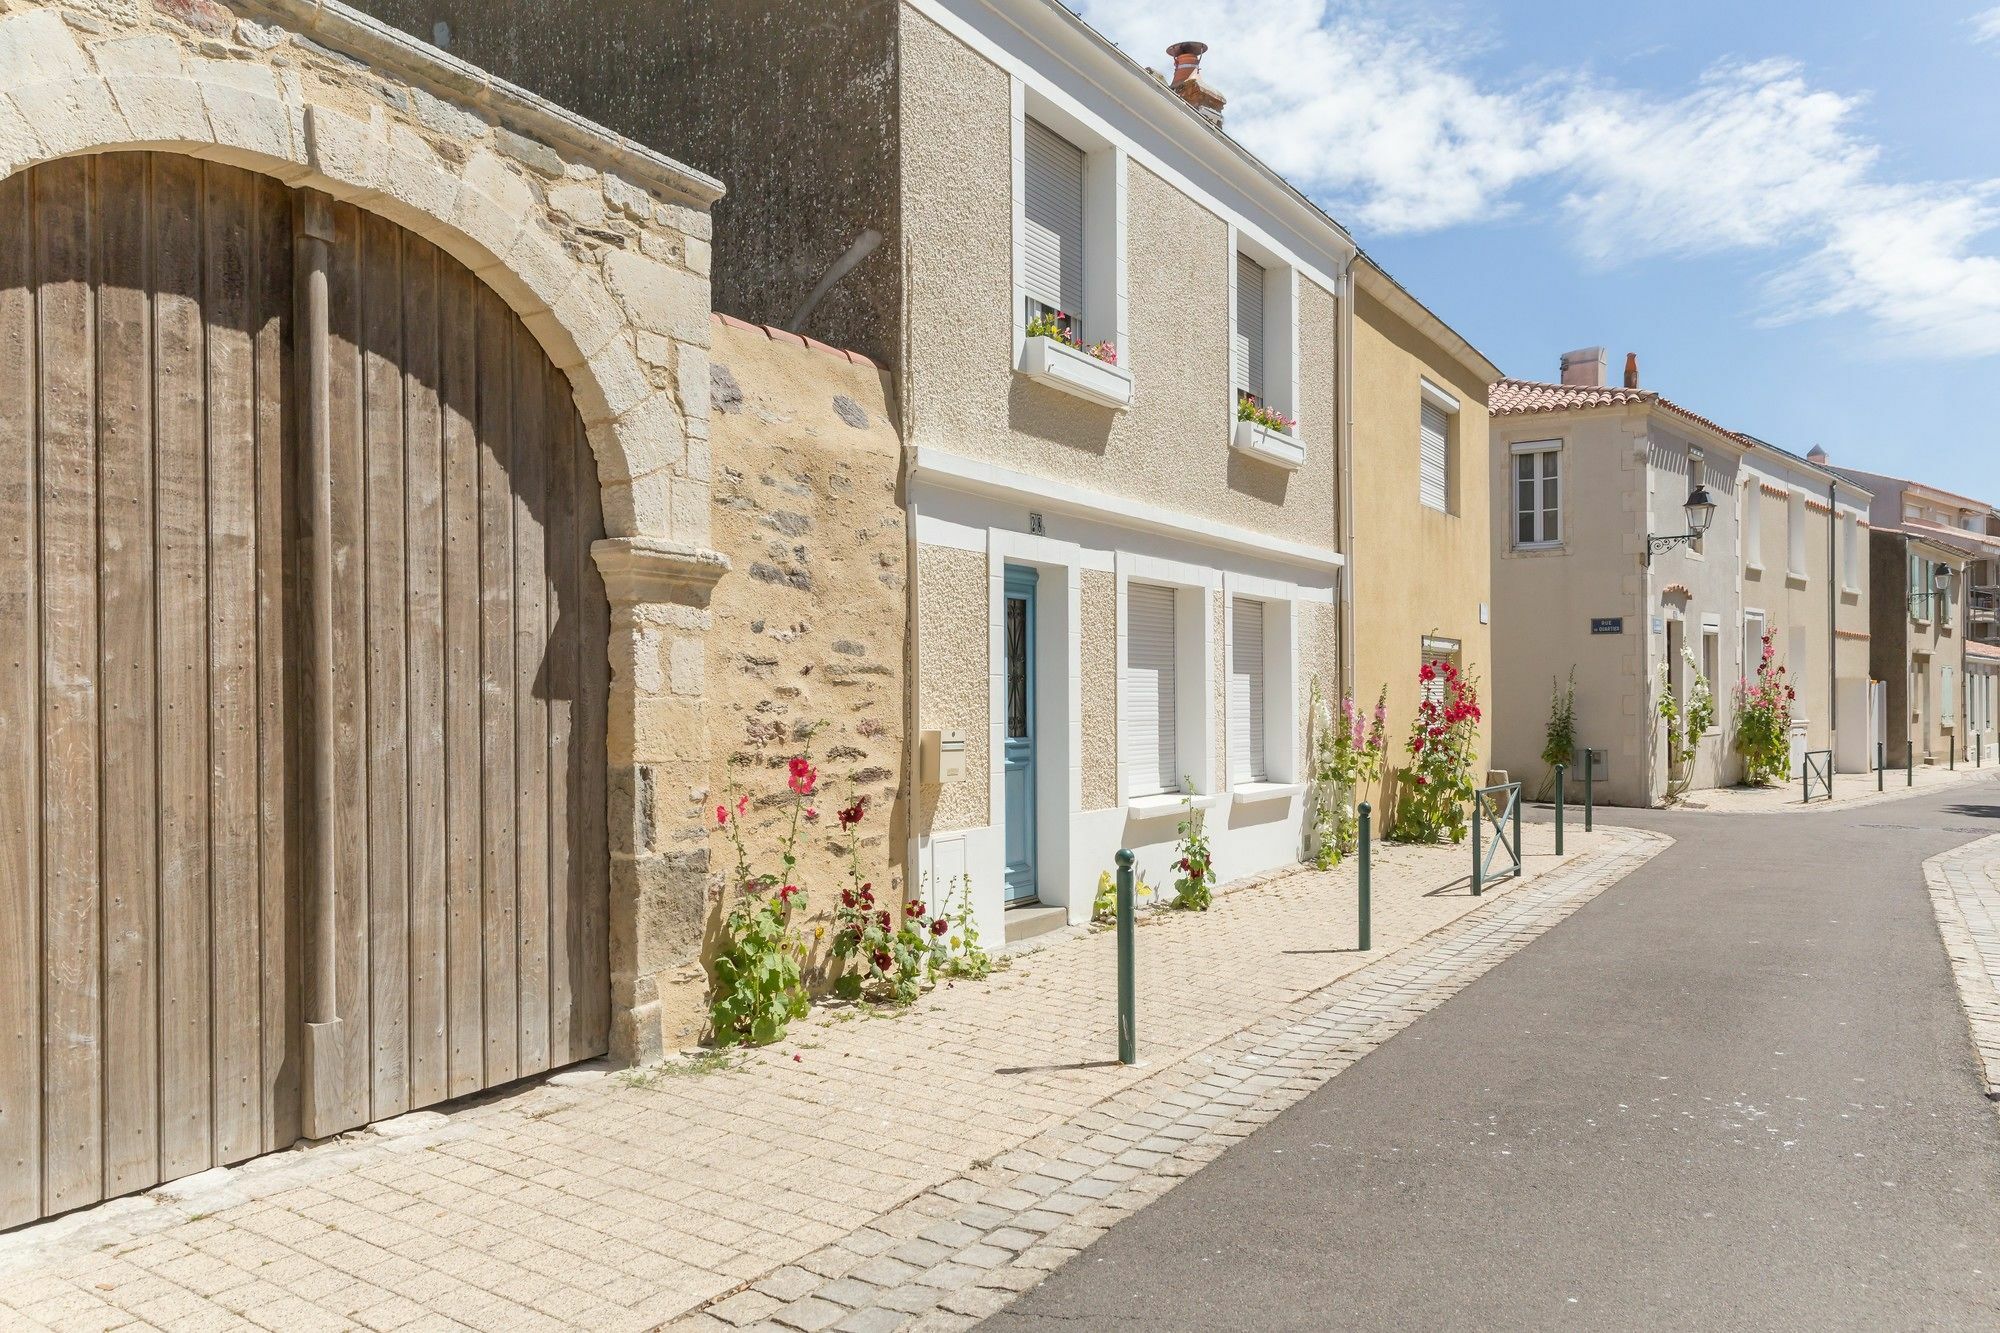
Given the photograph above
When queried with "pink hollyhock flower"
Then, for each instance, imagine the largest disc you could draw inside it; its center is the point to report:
(721, 814)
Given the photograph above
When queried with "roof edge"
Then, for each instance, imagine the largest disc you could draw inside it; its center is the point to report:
(1405, 303)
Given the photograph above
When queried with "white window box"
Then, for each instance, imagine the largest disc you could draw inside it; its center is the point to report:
(1272, 445)
(1166, 803)
(1247, 793)
(1061, 366)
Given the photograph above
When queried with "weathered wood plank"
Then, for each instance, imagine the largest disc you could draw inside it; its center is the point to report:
(350, 649)
(381, 275)
(496, 681)
(280, 865)
(20, 721)
(564, 615)
(126, 667)
(423, 426)
(236, 953)
(181, 590)
(593, 829)
(531, 709)
(464, 780)
(72, 999)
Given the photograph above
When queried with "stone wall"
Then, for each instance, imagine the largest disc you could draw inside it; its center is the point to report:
(807, 634)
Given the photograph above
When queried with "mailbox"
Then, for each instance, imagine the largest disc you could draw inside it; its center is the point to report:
(944, 755)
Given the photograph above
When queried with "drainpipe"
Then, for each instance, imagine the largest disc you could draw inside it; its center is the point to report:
(1833, 621)
(1344, 419)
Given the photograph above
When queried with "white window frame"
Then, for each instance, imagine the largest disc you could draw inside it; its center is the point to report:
(1541, 449)
(1850, 566)
(1194, 676)
(1753, 645)
(1436, 647)
(1711, 665)
(1106, 314)
(1795, 535)
(1429, 393)
(1753, 525)
(1281, 325)
(1283, 762)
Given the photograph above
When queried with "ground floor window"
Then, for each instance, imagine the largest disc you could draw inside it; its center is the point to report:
(1247, 677)
(1152, 760)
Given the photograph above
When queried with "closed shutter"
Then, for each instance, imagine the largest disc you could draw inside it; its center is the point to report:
(1054, 214)
(1438, 652)
(1949, 711)
(1434, 481)
(1246, 691)
(1247, 346)
(1152, 764)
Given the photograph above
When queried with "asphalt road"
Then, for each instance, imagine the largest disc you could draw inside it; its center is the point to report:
(1734, 1091)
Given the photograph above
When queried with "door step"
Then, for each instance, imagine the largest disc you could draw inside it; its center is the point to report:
(1031, 919)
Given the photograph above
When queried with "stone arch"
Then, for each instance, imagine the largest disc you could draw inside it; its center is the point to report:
(145, 90)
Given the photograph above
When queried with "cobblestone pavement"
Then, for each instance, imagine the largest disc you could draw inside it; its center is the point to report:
(1965, 894)
(1848, 789)
(869, 1170)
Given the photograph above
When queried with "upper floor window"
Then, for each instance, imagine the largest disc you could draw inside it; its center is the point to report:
(1538, 493)
(1795, 556)
(1248, 343)
(1436, 426)
(1753, 525)
(1053, 231)
(1850, 567)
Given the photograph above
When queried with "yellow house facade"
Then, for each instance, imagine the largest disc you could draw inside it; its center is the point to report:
(1420, 517)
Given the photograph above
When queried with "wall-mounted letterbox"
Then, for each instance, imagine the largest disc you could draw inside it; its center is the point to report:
(944, 755)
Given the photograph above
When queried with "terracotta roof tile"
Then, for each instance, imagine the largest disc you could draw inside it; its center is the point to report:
(1523, 397)
(1989, 651)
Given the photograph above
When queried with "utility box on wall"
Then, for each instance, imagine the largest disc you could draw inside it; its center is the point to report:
(944, 756)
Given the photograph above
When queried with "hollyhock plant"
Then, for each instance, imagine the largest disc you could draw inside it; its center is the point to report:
(1443, 745)
(758, 971)
(1347, 755)
(1764, 720)
(1688, 720)
(897, 958)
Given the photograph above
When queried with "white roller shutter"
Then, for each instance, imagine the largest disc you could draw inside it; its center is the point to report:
(1438, 652)
(1247, 347)
(1152, 763)
(1246, 691)
(1434, 483)
(1054, 215)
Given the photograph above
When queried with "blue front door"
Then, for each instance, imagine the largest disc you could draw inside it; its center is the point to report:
(1018, 741)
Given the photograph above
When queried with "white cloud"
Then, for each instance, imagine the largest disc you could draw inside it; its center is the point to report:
(1382, 120)
(1986, 25)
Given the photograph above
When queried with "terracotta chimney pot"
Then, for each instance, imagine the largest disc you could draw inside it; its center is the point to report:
(1631, 370)
(1187, 81)
(1187, 60)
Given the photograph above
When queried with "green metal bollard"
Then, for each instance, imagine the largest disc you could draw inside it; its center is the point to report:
(1559, 809)
(1805, 782)
(1881, 762)
(1367, 815)
(1520, 795)
(1128, 1022)
(1589, 794)
(1478, 874)
(1952, 741)
(1910, 765)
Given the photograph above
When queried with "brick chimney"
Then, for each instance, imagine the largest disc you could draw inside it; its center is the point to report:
(1187, 84)
(1585, 366)
(1817, 455)
(1631, 370)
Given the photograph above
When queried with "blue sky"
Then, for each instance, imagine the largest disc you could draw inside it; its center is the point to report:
(1790, 211)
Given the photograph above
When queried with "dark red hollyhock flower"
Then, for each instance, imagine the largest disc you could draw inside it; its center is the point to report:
(940, 926)
(882, 920)
(847, 897)
(914, 908)
(853, 813)
(883, 959)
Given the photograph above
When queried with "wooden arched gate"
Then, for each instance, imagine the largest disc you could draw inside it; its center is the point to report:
(302, 680)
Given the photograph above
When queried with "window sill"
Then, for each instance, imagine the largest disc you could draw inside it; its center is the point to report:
(1078, 374)
(1538, 548)
(1752, 567)
(1849, 591)
(1166, 803)
(1794, 579)
(1245, 793)
(1278, 447)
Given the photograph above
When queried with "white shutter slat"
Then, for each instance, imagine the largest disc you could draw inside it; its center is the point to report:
(1433, 483)
(1248, 344)
(1246, 691)
(1053, 210)
(1152, 762)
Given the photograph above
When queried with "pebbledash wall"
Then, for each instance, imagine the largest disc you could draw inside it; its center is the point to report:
(599, 244)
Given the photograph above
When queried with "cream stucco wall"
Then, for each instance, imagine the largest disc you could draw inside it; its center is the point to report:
(1171, 447)
(951, 614)
(1417, 571)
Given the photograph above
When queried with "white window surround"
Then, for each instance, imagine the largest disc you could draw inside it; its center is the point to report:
(1850, 569)
(1281, 325)
(1283, 768)
(1795, 536)
(1753, 641)
(1105, 313)
(1711, 665)
(1436, 480)
(1058, 661)
(1194, 677)
(1547, 468)
(1753, 523)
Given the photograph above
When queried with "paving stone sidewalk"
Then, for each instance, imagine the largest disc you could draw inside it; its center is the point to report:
(1965, 894)
(858, 1175)
(1849, 789)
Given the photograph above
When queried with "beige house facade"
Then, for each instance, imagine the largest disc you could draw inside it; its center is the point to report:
(1587, 476)
(1421, 512)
